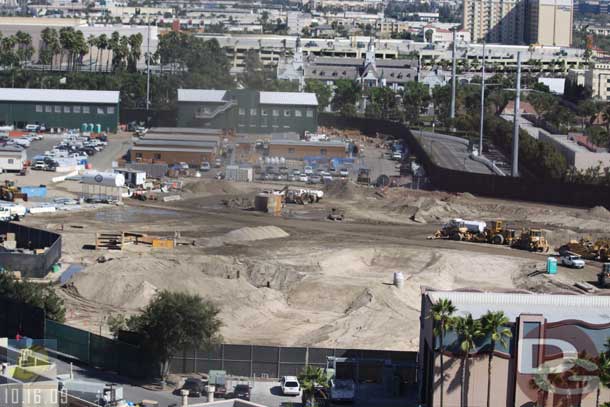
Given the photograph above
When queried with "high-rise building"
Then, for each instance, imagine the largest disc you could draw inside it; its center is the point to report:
(543, 22)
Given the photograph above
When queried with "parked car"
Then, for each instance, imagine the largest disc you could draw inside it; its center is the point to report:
(39, 165)
(303, 178)
(183, 165)
(205, 166)
(342, 390)
(315, 179)
(296, 172)
(194, 387)
(308, 170)
(218, 163)
(242, 391)
(327, 178)
(397, 156)
(344, 172)
(32, 127)
(290, 386)
(572, 260)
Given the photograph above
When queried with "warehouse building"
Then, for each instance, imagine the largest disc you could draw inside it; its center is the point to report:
(248, 111)
(176, 145)
(59, 108)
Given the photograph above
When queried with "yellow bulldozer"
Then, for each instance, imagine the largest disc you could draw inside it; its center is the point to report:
(532, 240)
(497, 233)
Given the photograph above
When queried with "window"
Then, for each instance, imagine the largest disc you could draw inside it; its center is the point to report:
(323, 152)
(138, 156)
(11, 161)
(252, 112)
(100, 110)
(157, 156)
(309, 112)
(286, 112)
(39, 108)
(86, 109)
(57, 109)
(298, 113)
(48, 109)
(263, 112)
(75, 109)
(291, 150)
(110, 110)
(264, 122)
(242, 111)
(276, 112)
(67, 109)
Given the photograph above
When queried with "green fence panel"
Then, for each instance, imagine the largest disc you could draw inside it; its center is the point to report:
(103, 353)
(71, 341)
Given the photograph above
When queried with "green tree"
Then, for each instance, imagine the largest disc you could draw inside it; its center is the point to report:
(442, 316)
(172, 322)
(8, 58)
(79, 50)
(323, 92)
(428, 36)
(603, 372)
(50, 46)
(66, 40)
(92, 42)
(102, 45)
(34, 294)
(494, 326)
(415, 96)
(135, 51)
(468, 331)
(254, 72)
(347, 95)
(25, 50)
(311, 378)
(113, 45)
(383, 104)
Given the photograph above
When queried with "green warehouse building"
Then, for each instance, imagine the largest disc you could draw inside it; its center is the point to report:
(248, 111)
(59, 108)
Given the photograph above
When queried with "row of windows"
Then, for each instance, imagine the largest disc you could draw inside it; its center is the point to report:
(74, 109)
(276, 112)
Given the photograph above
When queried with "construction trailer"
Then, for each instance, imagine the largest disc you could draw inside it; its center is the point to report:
(133, 178)
(12, 158)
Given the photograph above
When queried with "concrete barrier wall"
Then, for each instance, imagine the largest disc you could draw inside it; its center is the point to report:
(31, 265)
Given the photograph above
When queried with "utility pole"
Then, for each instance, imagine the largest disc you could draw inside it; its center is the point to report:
(148, 64)
(515, 167)
(482, 103)
(452, 113)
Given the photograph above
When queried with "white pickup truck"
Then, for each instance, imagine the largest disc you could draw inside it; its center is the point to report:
(572, 260)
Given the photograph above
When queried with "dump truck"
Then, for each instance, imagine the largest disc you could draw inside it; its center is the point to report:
(532, 240)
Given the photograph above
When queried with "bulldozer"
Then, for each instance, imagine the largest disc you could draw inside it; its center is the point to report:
(532, 240)
(498, 234)
(9, 192)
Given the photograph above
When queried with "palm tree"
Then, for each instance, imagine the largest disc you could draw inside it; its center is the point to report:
(102, 45)
(25, 50)
(441, 313)
(468, 331)
(603, 372)
(311, 378)
(92, 42)
(494, 326)
(66, 41)
(79, 50)
(113, 44)
(135, 51)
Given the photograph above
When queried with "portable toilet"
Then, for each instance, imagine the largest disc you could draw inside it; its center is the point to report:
(90, 127)
(83, 127)
(551, 265)
(98, 128)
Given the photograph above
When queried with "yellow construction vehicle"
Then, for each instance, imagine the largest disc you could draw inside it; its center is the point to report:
(497, 233)
(532, 240)
(9, 192)
(588, 249)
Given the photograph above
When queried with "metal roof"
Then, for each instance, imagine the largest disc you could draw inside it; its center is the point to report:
(183, 130)
(554, 307)
(331, 143)
(201, 95)
(172, 149)
(288, 98)
(59, 95)
(171, 138)
(200, 143)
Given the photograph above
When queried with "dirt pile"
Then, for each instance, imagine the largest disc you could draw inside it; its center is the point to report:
(213, 187)
(248, 234)
(599, 212)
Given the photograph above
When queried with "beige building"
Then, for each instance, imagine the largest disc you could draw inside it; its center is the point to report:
(597, 80)
(543, 22)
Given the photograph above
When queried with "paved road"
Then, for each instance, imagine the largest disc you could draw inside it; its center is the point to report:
(450, 154)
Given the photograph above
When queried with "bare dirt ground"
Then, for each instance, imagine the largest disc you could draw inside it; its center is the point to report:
(300, 279)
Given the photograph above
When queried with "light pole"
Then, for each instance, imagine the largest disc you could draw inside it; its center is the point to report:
(515, 166)
(148, 63)
(452, 112)
(482, 103)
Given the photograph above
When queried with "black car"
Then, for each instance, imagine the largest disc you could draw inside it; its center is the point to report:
(194, 386)
(242, 391)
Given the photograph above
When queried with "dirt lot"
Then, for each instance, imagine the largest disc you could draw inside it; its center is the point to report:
(300, 279)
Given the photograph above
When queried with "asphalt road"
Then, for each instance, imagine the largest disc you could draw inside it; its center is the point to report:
(450, 154)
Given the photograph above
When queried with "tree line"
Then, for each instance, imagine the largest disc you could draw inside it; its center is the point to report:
(481, 336)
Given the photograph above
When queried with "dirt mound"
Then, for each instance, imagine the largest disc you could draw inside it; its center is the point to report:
(248, 234)
(239, 203)
(341, 190)
(599, 212)
(210, 188)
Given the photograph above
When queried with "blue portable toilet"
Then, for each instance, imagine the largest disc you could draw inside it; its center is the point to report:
(551, 265)
(98, 128)
(83, 127)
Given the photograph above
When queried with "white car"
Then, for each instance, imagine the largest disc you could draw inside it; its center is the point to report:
(303, 178)
(32, 127)
(344, 173)
(572, 260)
(23, 142)
(290, 386)
(397, 156)
(308, 170)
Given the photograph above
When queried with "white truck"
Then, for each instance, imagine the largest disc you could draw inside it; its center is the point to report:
(572, 260)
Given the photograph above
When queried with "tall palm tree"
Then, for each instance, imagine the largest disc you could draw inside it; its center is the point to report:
(102, 45)
(92, 42)
(66, 41)
(468, 330)
(494, 326)
(113, 44)
(603, 372)
(25, 50)
(311, 378)
(441, 313)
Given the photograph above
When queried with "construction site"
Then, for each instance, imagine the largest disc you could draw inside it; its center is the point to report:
(309, 265)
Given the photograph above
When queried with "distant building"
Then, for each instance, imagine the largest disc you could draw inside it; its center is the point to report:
(175, 145)
(540, 22)
(248, 111)
(59, 108)
(597, 80)
(578, 151)
(546, 329)
(299, 149)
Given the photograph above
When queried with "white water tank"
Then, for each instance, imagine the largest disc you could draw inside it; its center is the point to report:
(475, 226)
(106, 179)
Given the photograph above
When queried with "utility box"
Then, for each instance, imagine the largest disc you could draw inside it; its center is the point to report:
(239, 174)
